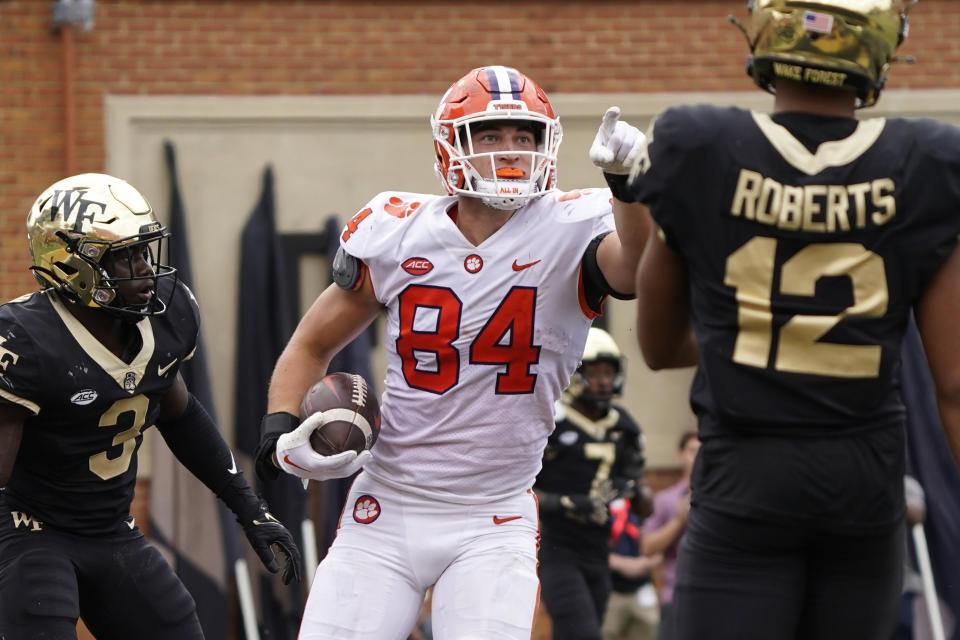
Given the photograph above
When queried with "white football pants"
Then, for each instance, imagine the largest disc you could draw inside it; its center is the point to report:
(391, 546)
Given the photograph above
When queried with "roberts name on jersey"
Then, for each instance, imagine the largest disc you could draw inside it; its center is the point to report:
(816, 208)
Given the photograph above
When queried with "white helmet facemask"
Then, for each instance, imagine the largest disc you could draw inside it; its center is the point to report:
(507, 189)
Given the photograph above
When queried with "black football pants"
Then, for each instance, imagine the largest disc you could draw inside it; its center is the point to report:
(119, 583)
(575, 593)
(742, 579)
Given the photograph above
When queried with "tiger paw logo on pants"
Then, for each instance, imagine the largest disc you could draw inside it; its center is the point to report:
(366, 509)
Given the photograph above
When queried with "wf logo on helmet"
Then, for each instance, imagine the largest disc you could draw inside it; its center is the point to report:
(417, 266)
(64, 202)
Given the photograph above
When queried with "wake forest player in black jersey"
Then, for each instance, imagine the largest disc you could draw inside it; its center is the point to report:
(593, 456)
(796, 246)
(85, 365)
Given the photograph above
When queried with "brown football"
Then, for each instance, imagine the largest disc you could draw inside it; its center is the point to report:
(352, 413)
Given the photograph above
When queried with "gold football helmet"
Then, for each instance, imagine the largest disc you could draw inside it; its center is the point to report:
(75, 224)
(831, 43)
(600, 347)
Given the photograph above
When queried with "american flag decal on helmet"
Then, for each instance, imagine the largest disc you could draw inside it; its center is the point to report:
(504, 81)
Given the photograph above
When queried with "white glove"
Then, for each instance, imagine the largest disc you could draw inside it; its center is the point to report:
(297, 457)
(617, 144)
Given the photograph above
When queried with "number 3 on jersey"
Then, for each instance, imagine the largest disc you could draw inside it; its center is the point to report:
(506, 339)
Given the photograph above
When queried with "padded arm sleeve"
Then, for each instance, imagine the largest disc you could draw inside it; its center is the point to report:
(595, 286)
(348, 271)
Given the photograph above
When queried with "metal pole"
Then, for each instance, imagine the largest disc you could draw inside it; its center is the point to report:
(310, 562)
(247, 607)
(929, 589)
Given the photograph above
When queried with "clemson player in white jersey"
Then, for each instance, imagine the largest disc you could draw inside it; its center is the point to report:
(489, 292)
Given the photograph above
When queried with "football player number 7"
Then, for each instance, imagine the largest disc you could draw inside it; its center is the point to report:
(751, 270)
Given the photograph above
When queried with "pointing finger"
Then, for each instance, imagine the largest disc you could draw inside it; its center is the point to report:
(609, 122)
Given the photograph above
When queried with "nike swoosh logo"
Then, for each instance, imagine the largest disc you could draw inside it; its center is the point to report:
(292, 463)
(131, 523)
(498, 519)
(233, 465)
(163, 370)
(521, 267)
(269, 519)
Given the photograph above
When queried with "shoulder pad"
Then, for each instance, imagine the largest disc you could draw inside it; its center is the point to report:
(581, 204)
(371, 230)
(347, 270)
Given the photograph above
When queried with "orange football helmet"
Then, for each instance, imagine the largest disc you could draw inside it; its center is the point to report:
(486, 94)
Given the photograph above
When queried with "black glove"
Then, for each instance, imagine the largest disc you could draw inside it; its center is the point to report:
(578, 506)
(264, 532)
(586, 508)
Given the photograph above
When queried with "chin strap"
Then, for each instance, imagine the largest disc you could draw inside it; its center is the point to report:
(746, 36)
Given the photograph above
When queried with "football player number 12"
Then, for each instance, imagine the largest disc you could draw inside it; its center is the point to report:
(751, 269)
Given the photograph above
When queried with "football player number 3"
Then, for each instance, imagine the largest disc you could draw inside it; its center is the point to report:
(130, 412)
(506, 339)
(751, 270)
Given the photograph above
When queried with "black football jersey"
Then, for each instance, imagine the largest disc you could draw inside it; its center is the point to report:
(807, 243)
(580, 456)
(803, 266)
(77, 463)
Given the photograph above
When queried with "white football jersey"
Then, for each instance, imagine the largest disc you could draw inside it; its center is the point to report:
(480, 340)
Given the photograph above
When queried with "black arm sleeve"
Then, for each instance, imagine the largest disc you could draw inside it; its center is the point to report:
(595, 286)
(619, 187)
(195, 441)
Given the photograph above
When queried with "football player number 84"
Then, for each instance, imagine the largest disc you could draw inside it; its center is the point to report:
(505, 340)
(751, 269)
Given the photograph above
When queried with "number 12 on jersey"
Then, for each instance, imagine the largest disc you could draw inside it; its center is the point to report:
(505, 340)
(751, 270)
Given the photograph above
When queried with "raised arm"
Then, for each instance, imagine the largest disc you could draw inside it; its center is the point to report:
(614, 150)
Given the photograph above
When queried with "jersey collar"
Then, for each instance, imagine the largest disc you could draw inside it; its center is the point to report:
(127, 376)
(834, 153)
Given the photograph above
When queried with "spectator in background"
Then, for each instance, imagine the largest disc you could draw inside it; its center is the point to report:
(633, 611)
(664, 529)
